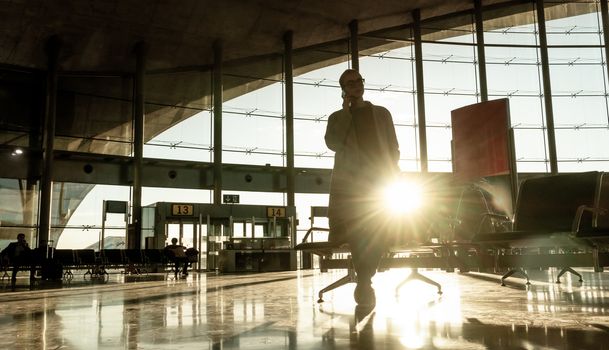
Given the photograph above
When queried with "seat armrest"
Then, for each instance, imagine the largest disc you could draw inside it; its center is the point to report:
(311, 230)
(579, 213)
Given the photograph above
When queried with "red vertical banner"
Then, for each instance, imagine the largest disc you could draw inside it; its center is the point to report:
(481, 140)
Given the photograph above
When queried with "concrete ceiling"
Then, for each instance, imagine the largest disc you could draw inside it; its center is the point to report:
(98, 39)
(99, 35)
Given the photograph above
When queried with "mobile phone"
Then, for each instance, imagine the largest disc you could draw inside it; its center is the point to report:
(343, 94)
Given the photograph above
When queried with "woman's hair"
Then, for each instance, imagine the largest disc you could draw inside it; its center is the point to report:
(342, 76)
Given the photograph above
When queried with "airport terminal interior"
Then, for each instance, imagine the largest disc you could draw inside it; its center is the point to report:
(167, 165)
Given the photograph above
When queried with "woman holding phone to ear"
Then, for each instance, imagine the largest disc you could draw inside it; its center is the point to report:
(362, 135)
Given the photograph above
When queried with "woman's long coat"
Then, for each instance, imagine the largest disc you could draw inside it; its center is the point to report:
(355, 183)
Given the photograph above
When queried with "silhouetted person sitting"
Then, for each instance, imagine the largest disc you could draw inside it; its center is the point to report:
(177, 253)
(18, 254)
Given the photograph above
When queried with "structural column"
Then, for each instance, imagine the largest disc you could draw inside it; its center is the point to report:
(547, 88)
(289, 114)
(418, 56)
(480, 47)
(605, 17)
(353, 45)
(218, 90)
(135, 237)
(53, 47)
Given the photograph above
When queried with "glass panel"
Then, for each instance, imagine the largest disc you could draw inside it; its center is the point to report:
(513, 71)
(304, 202)
(409, 146)
(451, 82)
(18, 211)
(579, 111)
(577, 71)
(573, 23)
(77, 215)
(530, 147)
(456, 29)
(439, 150)
(20, 93)
(390, 77)
(178, 123)
(151, 195)
(511, 25)
(188, 140)
(583, 149)
(316, 95)
(94, 115)
(252, 118)
(579, 93)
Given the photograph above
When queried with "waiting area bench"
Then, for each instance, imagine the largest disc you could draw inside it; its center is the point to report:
(95, 263)
(559, 221)
(560, 217)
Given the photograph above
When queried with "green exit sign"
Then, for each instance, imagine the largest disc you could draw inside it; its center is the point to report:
(230, 198)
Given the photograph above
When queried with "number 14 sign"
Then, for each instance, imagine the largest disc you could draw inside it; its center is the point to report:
(278, 212)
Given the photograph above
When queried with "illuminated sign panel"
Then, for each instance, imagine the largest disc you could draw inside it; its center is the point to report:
(278, 212)
(182, 209)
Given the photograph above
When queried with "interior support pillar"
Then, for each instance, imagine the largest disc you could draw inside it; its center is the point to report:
(353, 45)
(217, 88)
(605, 24)
(547, 88)
(53, 46)
(135, 238)
(418, 56)
(289, 115)
(480, 48)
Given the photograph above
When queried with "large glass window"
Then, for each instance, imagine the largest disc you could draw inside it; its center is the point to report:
(77, 216)
(20, 110)
(514, 71)
(579, 90)
(316, 95)
(388, 66)
(178, 122)
(94, 115)
(18, 210)
(253, 121)
(450, 81)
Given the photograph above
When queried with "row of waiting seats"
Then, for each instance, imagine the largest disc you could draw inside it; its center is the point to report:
(134, 261)
(96, 263)
(559, 221)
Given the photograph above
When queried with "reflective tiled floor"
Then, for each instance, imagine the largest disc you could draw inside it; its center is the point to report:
(280, 311)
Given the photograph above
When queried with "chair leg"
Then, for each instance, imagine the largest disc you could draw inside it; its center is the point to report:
(513, 271)
(568, 269)
(344, 280)
(595, 260)
(415, 275)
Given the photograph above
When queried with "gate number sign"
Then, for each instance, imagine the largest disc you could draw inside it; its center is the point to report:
(182, 209)
(278, 212)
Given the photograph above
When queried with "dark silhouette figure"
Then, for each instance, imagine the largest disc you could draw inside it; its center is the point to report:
(18, 254)
(363, 137)
(177, 254)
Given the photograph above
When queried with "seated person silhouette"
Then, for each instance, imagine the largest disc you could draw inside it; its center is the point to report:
(177, 254)
(18, 254)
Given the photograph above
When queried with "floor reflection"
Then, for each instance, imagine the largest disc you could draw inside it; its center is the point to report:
(279, 311)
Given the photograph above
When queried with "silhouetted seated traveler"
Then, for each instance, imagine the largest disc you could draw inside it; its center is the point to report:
(177, 254)
(18, 254)
(362, 135)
